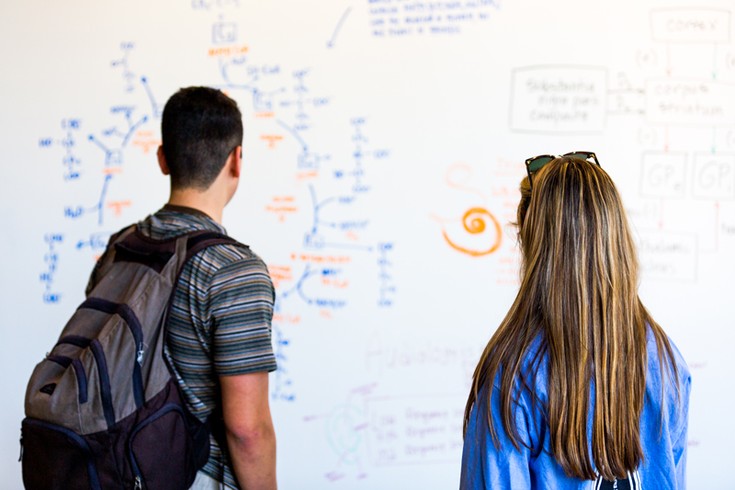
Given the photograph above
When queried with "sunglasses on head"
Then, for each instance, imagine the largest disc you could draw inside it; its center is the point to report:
(534, 164)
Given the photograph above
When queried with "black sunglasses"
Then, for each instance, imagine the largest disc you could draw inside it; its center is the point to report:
(534, 164)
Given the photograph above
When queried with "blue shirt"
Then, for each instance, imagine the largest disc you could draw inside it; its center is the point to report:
(664, 446)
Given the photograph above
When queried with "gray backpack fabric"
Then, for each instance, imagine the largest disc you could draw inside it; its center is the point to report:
(103, 409)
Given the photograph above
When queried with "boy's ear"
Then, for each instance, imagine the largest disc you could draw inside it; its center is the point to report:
(236, 163)
(162, 161)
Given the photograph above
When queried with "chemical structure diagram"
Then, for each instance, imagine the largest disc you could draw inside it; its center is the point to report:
(69, 141)
(324, 265)
(283, 389)
(322, 268)
(331, 242)
(112, 141)
(302, 101)
(239, 75)
(51, 259)
(80, 163)
(354, 180)
(385, 275)
(124, 65)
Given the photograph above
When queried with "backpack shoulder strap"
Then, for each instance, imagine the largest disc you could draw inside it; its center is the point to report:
(137, 247)
(108, 257)
(198, 241)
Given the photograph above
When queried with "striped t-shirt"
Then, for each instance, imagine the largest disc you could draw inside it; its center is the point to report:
(219, 322)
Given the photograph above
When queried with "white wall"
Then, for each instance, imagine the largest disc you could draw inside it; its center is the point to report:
(372, 128)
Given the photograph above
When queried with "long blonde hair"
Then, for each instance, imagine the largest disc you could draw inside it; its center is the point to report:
(578, 300)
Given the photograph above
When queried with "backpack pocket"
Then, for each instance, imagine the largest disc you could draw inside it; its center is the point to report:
(161, 450)
(56, 458)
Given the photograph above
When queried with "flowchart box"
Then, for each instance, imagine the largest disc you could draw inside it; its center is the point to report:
(691, 25)
(663, 175)
(690, 102)
(558, 99)
(714, 176)
(667, 256)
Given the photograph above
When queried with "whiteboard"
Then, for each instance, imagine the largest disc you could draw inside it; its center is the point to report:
(383, 149)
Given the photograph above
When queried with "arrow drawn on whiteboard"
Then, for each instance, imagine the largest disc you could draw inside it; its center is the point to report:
(330, 43)
(717, 231)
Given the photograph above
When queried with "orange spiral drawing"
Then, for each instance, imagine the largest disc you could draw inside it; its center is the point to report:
(475, 221)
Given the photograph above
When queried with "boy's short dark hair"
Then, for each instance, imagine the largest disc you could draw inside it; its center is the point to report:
(200, 127)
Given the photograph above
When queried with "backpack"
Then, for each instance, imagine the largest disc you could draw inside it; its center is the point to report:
(103, 409)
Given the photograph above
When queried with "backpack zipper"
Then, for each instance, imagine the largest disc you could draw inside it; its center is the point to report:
(169, 407)
(128, 316)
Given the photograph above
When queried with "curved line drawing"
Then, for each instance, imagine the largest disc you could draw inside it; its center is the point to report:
(341, 434)
(458, 177)
(475, 221)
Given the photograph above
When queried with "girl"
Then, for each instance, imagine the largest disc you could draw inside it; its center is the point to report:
(579, 388)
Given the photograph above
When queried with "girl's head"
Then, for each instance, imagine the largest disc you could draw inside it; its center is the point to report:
(573, 229)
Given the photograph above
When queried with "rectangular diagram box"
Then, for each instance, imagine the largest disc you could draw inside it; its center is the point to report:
(663, 175)
(558, 99)
(690, 102)
(415, 430)
(667, 256)
(714, 176)
(691, 25)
